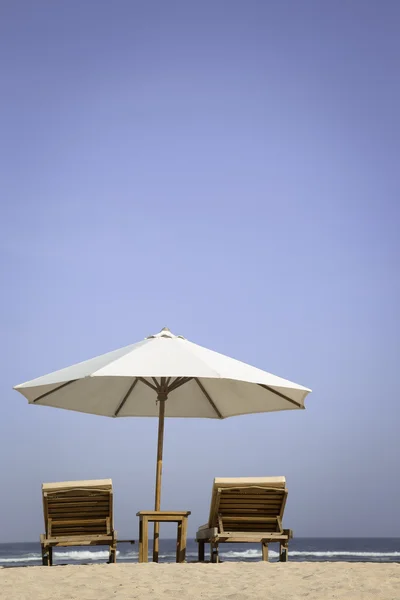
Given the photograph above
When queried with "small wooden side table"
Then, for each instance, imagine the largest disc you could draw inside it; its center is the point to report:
(162, 516)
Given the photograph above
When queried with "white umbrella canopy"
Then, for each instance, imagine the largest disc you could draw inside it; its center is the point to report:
(187, 380)
(197, 381)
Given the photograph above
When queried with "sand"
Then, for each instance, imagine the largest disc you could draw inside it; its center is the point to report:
(233, 581)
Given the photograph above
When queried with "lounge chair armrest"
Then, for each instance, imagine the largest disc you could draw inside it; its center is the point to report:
(289, 533)
(206, 533)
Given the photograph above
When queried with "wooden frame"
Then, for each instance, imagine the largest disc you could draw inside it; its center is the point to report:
(246, 514)
(162, 516)
(78, 513)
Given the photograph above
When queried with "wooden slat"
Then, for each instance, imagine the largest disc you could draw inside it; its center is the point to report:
(81, 521)
(163, 513)
(80, 499)
(80, 538)
(249, 509)
(77, 525)
(257, 497)
(251, 504)
(83, 506)
(244, 518)
(264, 501)
(252, 494)
(75, 518)
(78, 509)
(164, 518)
(251, 499)
(250, 519)
(78, 531)
(82, 530)
(76, 514)
(234, 505)
(69, 534)
(91, 502)
(250, 526)
(241, 527)
(252, 537)
(81, 496)
(80, 524)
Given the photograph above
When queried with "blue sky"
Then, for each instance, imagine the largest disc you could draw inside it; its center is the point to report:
(231, 171)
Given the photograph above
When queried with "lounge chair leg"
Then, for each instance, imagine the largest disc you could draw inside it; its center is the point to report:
(201, 551)
(45, 556)
(214, 556)
(113, 555)
(284, 553)
(264, 548)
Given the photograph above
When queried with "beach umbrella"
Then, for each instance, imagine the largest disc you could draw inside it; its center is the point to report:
(165, 375)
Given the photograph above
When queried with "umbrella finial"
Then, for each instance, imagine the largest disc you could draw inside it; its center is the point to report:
(165, 333)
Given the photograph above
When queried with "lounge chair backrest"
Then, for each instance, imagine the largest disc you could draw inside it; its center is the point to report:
(248, 504)
(78, 508)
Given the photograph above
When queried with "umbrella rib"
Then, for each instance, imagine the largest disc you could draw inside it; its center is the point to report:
(175, 381)
(54, 390)
(178, 383)
(156, 383)
(207, 395)
(150, 385)
(270, 389)
(125, 398)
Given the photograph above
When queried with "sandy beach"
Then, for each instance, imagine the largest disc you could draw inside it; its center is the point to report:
(236, 581)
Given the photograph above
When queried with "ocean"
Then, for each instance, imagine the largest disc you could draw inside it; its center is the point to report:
(300, 549)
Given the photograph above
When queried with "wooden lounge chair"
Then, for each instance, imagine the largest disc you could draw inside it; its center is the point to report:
(78, 513)
(246, 509)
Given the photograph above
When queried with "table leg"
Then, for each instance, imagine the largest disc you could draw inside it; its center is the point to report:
(179, 541)
(145, 540)
(156, 541)
(183, 540)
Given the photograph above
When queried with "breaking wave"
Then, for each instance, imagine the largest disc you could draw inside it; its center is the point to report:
(250, 554)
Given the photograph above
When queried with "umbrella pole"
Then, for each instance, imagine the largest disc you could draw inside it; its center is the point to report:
(161, 415)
